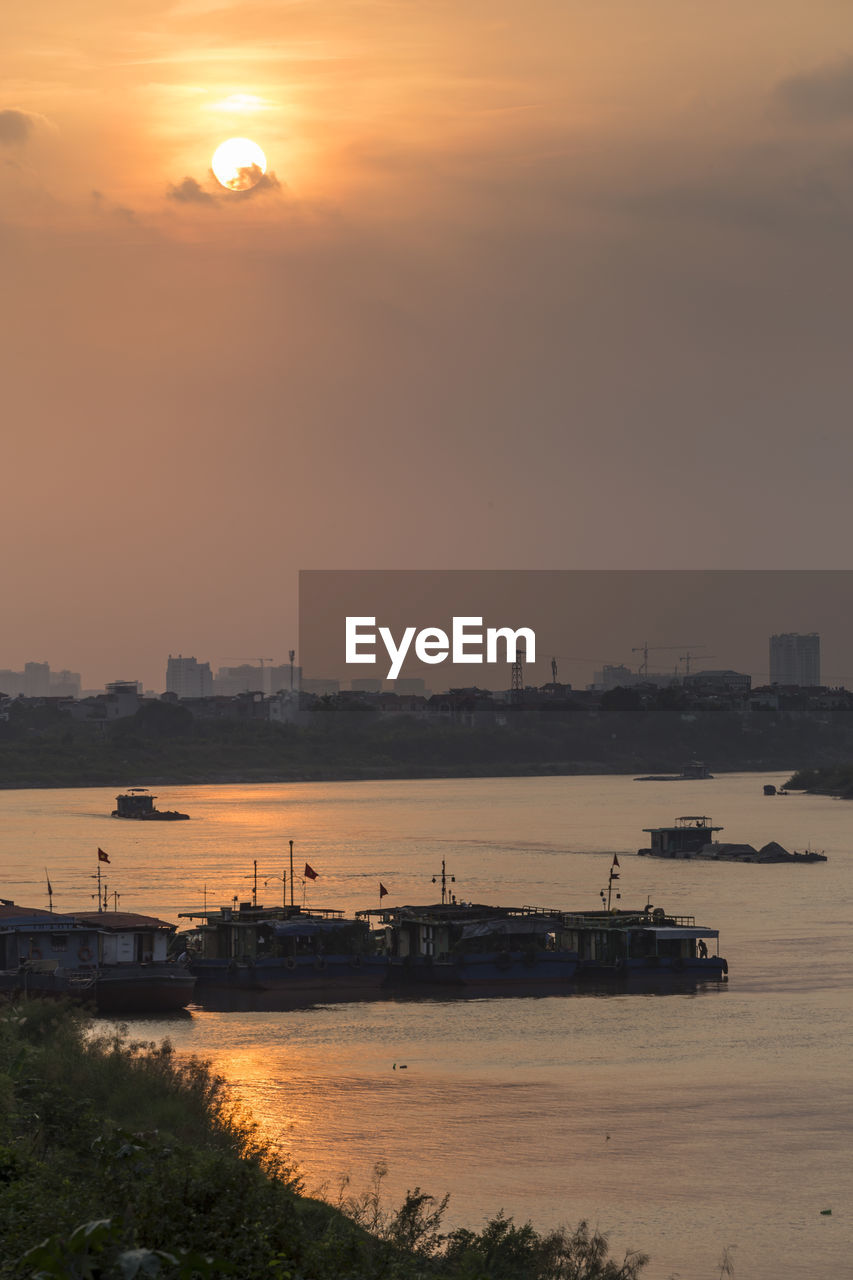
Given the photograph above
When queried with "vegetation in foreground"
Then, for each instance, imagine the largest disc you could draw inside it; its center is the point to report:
(118, 1159)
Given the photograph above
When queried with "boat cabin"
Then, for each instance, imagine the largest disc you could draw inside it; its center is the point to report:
(444, 932)
(251, 932)
(136, 803)
(688, 835)
(644, 939)
(46, 941)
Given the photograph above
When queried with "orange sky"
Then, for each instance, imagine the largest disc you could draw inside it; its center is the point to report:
(558, 284)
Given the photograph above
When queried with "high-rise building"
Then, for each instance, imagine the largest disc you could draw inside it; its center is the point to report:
(65, 684)
(247, 678)
(795, 659)
(37, 679)
(188, 678)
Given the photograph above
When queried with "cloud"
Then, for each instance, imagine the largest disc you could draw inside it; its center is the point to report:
(189, 192)
(17, 126)
(826, 93)
(261, 182)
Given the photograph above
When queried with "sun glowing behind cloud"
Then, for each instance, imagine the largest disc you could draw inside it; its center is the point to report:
(238, 164)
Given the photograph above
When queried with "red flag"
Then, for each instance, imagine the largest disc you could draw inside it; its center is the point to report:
(382, 890)
(310, 872)
(103, 857)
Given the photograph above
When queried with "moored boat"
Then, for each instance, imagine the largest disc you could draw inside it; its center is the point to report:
(281, 949)
(623, 944)
(116, 961)
(471, 945)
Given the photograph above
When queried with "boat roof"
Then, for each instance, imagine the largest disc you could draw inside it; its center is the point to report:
(121, 920)
(694, 820)
(699, 931)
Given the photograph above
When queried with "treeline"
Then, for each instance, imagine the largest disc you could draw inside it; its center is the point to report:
(121, 1160)
(837, 781)
(163, 743)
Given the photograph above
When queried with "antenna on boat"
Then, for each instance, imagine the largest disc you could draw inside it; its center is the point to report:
(291, 873)
(444, 878)
(614, 875)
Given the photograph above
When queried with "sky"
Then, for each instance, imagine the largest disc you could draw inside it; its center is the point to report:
(558, 284)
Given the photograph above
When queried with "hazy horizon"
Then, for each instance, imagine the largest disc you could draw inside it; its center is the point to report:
(565, 286)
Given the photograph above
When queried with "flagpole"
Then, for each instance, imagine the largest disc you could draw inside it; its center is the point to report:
(291, 873)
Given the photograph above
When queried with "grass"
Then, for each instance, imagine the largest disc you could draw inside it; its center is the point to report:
(119, 1159)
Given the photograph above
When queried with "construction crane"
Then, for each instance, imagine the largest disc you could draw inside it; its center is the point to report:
(685, 658)
(645, 648)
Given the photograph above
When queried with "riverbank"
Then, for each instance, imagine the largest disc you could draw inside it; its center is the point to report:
(835, 781)
(165, 745)
(119, 1159)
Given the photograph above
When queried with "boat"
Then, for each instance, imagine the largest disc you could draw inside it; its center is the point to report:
(113, 960)
(138, 803)
(693, 837)
(626, 944)
(317, 953)
(692, 772)
(471, 945)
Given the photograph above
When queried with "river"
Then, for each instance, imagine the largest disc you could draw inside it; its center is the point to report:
(682, 1124)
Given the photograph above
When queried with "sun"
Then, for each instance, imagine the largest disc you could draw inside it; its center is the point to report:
(238, 164)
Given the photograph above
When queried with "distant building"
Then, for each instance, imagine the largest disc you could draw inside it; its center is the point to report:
(65, 684)
(719, 681)
(12, 683)
(36, 680)
(366, 684)
(319, 687)
(188, 678)
(412, 685)
(795, 659)
(230, 681)
(278, 678)
(615, 677)
(123, 698)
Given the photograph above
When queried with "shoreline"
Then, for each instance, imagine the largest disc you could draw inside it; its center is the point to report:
(275, 778)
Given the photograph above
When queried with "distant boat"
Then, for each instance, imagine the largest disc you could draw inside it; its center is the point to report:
(692, 772)
(693, 837)
(139, 803)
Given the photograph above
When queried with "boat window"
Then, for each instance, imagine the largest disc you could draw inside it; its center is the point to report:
(59, 942)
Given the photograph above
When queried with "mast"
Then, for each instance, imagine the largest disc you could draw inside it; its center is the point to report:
(291, 873)
(444, 878)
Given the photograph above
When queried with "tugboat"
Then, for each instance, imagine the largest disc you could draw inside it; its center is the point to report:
(138, 803)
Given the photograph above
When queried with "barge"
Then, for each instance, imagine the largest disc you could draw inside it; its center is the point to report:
(693, 837)
(115, 961)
